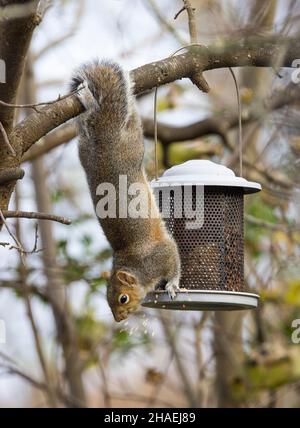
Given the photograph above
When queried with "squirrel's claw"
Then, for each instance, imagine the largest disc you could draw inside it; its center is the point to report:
(172, 287)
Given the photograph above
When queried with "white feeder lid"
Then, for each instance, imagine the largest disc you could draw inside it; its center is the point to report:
(204, 173)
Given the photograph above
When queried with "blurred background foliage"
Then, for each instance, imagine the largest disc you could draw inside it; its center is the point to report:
(156, 358)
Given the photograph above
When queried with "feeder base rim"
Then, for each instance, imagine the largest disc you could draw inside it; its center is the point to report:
(202, 300)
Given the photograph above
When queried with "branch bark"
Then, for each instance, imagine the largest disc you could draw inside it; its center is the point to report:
(35, 215)
(258, 51)
(18, 19)
(167, 134)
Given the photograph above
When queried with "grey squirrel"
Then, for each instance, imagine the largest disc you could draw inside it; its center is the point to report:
(111, 145)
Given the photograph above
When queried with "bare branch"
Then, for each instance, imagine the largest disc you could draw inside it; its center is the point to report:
(19, 247)
(45, 103)
(192, 21)
(17, 22)
(167, 134)
(35, 215)
(252, 52)
(14, 238)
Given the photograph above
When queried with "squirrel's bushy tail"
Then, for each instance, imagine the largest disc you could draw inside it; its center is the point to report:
(108, 84)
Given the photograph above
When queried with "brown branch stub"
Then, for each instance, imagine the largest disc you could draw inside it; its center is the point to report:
(198, 79)
(10, 175)
(35, 215)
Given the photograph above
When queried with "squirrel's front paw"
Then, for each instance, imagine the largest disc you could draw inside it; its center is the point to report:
(172, 287)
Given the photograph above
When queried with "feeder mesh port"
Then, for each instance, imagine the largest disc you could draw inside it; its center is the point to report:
(212, 257)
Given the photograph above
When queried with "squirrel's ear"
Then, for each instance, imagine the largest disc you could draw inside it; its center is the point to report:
(126, 278)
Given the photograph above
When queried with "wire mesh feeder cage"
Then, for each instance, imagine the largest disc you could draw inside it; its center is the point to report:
(203, 207)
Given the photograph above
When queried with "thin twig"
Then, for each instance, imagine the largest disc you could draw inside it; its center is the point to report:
(6, 140)
(192, 20)
(15, 239)
(36, 215)
(179, 12)
(45, 103)
(18, 245)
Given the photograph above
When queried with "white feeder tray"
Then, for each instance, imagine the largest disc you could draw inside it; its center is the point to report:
(202, 300)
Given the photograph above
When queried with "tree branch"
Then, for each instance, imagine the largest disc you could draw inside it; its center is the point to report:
(18, 19)
(220, 125)
(11, 174)
(167, 134)
(260, 52)
(192, 20)
(60, 136)
(34, 215)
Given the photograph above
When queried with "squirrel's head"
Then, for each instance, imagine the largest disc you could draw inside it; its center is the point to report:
(124, 294)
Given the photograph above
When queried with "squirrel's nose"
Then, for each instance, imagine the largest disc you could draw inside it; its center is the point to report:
(120, 317)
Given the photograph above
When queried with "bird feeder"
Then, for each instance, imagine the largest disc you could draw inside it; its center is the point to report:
(203, 207)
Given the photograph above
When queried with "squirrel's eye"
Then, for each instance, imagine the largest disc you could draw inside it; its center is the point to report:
(123, 298)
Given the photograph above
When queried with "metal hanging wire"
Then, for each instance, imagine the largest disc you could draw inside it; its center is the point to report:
(240, 136)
